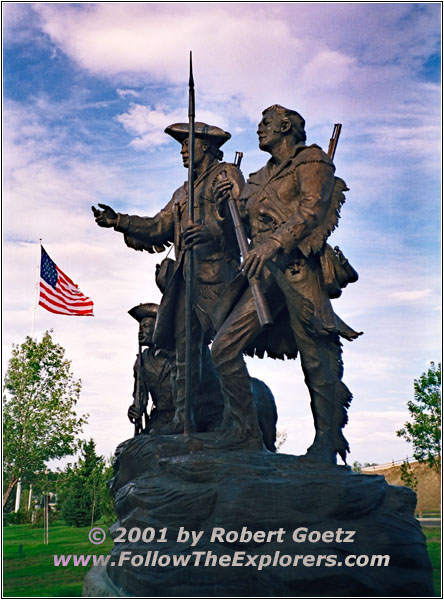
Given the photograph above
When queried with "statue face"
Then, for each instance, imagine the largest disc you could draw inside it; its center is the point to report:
(146, 331)
(200, 148)
(269, 130)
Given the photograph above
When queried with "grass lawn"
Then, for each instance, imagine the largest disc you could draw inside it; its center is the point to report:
(433, 536)
(31, 572)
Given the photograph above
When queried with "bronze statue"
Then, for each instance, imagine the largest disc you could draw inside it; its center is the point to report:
(153, 378)
(151, 374)
(290, 207)
(216, 253)
(278, 302)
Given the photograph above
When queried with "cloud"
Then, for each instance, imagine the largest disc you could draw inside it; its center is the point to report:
(372, 436)
(411, 296)
(295, 55)
(127, 93)
(148, 125)
(20, 23)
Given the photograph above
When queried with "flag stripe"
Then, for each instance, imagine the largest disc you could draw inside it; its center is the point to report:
(67, 294)
(55, 297)
(59, 311)
(67, 283)
(58, 293)
(44, 300)
(68, 280)
(48, 302)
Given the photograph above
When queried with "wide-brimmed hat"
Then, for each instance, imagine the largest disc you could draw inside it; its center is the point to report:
(216, 135)
(142, 311)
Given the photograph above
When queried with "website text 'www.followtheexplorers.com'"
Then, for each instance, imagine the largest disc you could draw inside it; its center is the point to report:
(200, 558)
(207, 558)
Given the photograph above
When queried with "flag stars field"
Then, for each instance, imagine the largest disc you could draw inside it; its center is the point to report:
(58, 293)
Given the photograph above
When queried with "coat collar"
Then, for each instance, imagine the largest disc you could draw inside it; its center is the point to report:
(212, 167)
(270, 172)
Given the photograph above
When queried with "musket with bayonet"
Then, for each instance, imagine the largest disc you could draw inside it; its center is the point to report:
(189, 277)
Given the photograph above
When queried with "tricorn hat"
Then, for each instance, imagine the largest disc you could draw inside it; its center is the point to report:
(216, 135)
(142, 311)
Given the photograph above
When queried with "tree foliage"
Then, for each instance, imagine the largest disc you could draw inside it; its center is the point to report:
(39, 421)
(281, 438)
(424, 430)
(82, 498)
(107, 506)
(357, 466)
(408, 477)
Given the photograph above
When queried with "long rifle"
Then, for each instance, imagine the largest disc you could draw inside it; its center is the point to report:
(262, 309)
(188, 409)
(334, 140)
(138, 423)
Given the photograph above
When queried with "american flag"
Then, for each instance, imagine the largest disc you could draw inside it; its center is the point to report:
(58, 293)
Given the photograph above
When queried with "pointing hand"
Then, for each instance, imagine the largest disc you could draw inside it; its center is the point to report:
(106, 217)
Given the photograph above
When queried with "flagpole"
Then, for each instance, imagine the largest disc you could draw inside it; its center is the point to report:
(37, 285)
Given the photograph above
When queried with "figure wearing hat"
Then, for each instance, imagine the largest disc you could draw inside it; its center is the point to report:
(216, 254)
(151, 374)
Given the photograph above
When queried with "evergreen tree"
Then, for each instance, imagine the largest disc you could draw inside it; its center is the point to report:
(83, 488)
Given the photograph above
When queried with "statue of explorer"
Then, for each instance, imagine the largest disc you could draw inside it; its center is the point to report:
(289, 208)
(152, 378)
(151, 374)
(216, 256)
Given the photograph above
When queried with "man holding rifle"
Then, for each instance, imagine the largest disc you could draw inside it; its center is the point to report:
(151, 376)
(289, 208)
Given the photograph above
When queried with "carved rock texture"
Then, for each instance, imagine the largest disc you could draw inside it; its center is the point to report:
(170, 482)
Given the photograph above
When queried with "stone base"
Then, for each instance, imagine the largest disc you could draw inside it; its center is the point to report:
(97, 584)
(198, 484)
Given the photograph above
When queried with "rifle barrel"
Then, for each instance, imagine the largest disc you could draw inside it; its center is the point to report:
(138, 424)
(334, 140)
(262, 309)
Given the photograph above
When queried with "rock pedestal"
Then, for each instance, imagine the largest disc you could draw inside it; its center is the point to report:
(336, 533)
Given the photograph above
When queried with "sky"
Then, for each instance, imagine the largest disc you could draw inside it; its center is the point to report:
(88, 89)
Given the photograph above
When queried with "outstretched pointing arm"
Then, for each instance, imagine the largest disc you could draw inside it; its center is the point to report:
(153, 234)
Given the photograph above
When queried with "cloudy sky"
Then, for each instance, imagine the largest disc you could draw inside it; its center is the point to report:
(88, 90)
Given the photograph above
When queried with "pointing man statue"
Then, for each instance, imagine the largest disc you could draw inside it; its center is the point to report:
(216, 255)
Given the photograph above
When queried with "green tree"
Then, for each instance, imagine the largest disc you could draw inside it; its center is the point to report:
(107, 506)
(39, 421)
(424, 430)
(357, 466)
(281, 438)
(83, 488)
(408, 477)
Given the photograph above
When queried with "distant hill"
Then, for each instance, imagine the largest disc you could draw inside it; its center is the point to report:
(429, 484)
